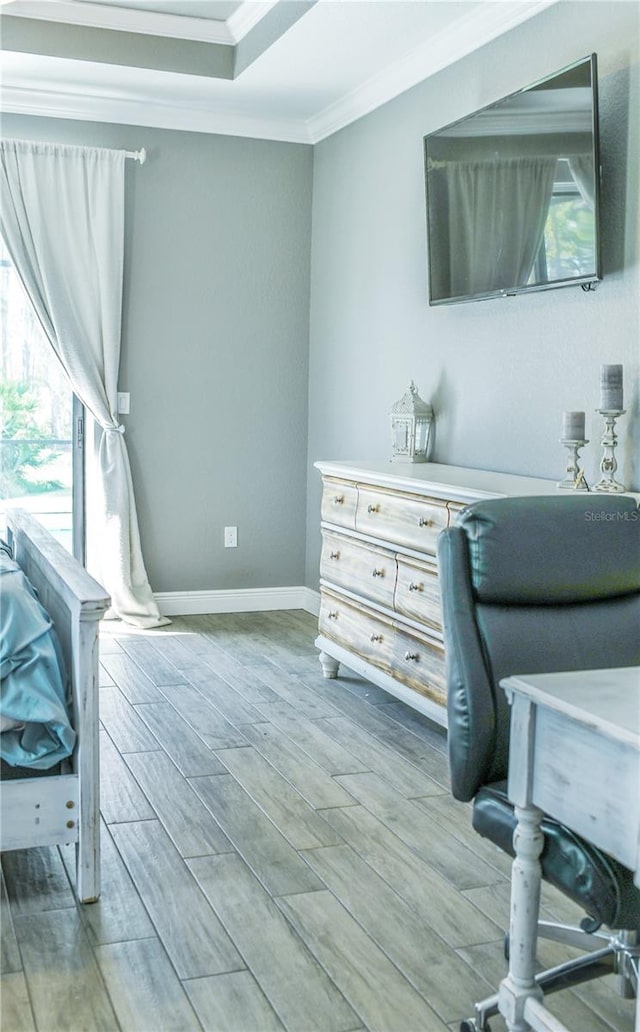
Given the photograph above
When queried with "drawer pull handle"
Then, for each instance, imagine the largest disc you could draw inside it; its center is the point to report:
(378, 573)
(334, 555)
(412, 655)
(373, 508)
(338, 500)
(332, 614)
(376, 637)
(422, 522)
(415, 587)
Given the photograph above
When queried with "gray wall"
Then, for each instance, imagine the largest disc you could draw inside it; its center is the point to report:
(230, 365)
(499, 373)
(215, 349)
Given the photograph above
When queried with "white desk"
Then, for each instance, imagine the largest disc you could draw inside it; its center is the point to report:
(575, 755)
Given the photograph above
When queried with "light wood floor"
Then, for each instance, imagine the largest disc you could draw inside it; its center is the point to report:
(279, 852)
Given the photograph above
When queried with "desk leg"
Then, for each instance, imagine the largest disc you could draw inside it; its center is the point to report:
(520, 982)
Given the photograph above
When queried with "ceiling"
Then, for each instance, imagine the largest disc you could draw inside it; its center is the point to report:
(294, 70)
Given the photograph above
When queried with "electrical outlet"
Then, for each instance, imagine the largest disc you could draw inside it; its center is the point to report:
(230, 537)
(123, 403)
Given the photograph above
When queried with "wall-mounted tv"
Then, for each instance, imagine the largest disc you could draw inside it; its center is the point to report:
(513, 193)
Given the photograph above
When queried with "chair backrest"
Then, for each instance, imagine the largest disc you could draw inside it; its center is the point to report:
(531, 585)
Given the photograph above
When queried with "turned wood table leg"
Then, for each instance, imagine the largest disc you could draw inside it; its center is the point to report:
(330, 666)
(520, 984)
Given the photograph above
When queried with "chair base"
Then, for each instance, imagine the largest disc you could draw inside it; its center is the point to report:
(617, 953)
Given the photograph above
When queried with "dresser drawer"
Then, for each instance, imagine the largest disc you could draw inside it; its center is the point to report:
(418, 662)
(357, 629)
(417, 592)
(339, 500)
(361, 568)
(401, 519)
(455, 508)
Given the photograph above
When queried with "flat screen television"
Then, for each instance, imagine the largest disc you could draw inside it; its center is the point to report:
(513, 193)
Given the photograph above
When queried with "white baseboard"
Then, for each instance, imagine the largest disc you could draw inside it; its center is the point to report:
(311, 601)
(241, 600)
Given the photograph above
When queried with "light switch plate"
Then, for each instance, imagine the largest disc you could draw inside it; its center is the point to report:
(123, 403)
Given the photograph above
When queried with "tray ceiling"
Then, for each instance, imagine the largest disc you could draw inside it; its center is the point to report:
(294, 70)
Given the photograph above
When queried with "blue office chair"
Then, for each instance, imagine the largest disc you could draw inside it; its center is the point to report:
(533, 585)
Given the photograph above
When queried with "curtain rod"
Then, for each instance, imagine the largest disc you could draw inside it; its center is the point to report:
(137, 155)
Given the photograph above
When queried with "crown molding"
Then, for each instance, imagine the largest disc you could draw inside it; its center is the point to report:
(94, 107)
(151, 23)
(247, 16)
(456, 41)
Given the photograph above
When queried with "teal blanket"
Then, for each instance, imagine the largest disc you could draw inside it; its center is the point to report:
(33, 684)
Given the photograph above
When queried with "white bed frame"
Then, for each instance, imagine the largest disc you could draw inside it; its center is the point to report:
(62, 808)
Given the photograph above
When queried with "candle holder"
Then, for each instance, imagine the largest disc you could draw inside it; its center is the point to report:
(608, 464)
(574, 480)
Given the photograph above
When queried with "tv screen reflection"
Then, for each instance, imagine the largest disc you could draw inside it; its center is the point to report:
(512, 192)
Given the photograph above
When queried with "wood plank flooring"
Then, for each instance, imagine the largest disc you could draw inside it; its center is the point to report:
(280, 852)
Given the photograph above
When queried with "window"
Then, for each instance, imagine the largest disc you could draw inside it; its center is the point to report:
(569, 244)
(37, 415)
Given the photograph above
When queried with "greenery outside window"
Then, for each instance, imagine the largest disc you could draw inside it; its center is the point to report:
(36, 415)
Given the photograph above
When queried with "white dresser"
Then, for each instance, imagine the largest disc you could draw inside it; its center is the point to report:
(380, 599)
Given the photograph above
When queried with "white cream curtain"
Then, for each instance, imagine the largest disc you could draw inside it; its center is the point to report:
(497, 212)
(62, 220)
(581, 166)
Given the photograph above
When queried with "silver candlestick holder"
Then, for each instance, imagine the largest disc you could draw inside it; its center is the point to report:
(608, 464)
(574, 480)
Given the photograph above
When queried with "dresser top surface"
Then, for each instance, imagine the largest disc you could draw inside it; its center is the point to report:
(437, 479)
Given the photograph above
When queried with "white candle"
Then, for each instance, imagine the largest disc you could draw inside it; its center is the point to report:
(573, 426)
(611, 388)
